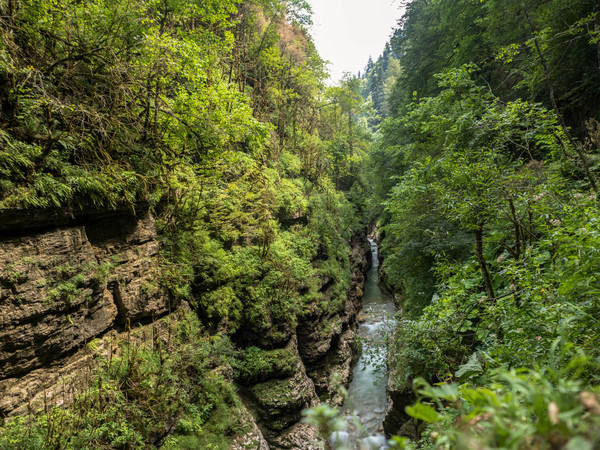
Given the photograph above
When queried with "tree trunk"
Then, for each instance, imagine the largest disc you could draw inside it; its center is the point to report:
(596, 29)
(515, 220)
(478, 232)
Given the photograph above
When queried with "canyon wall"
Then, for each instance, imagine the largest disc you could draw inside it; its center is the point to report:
(66, 280)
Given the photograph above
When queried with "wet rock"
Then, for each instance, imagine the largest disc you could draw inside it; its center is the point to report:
(249, 435)
(300, 436)
(326, 342)
(251, 439)
(315, 335)
(279, 402)
(274, 334)
(340, 360)
(395, 416)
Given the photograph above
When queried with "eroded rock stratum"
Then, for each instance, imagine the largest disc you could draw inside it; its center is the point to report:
(69, 280)
(63, 286)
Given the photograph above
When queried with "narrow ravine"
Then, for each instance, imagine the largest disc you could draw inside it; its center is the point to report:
(366, 403)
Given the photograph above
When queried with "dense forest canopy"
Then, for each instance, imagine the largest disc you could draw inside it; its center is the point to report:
(487, 163)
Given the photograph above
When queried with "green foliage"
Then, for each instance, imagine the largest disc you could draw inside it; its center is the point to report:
(147, 389)
(377, 81)
(489, 183)
(67, 281)
(535, 301)
(88, 126)
(471, 162)
(428, 347)
(255, 365)
(499, 36)
(543, 408)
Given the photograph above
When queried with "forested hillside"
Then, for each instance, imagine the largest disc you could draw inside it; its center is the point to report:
(209, 121)
(487, 166)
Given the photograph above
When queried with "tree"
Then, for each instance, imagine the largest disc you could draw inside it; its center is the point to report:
(471, 160)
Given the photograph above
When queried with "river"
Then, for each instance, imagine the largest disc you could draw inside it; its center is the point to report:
(367, 402)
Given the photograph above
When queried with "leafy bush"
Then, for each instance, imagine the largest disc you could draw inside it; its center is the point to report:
(255, 365)
(550, 407)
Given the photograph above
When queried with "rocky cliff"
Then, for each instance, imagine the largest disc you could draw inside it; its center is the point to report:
(68, 279)
(65, 280)
(323, 343)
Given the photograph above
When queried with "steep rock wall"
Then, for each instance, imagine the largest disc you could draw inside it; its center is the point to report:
(327, 342)
(323, 343)
(66, 279)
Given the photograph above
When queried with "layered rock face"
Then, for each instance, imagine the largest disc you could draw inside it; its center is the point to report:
(323, 343)
(277, 404)
(66, 280)
(327, 343)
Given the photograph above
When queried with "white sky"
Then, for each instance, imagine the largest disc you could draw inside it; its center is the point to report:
(347, 32)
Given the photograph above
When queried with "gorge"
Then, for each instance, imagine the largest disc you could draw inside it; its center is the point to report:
(367, 403)
(106, 262)
(185, 206)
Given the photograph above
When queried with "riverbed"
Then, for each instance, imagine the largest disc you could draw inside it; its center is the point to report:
(367, 402)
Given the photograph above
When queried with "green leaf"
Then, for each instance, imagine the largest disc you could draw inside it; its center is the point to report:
(579, 443)
(446, 392)
(423, 412)
(470, 368)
